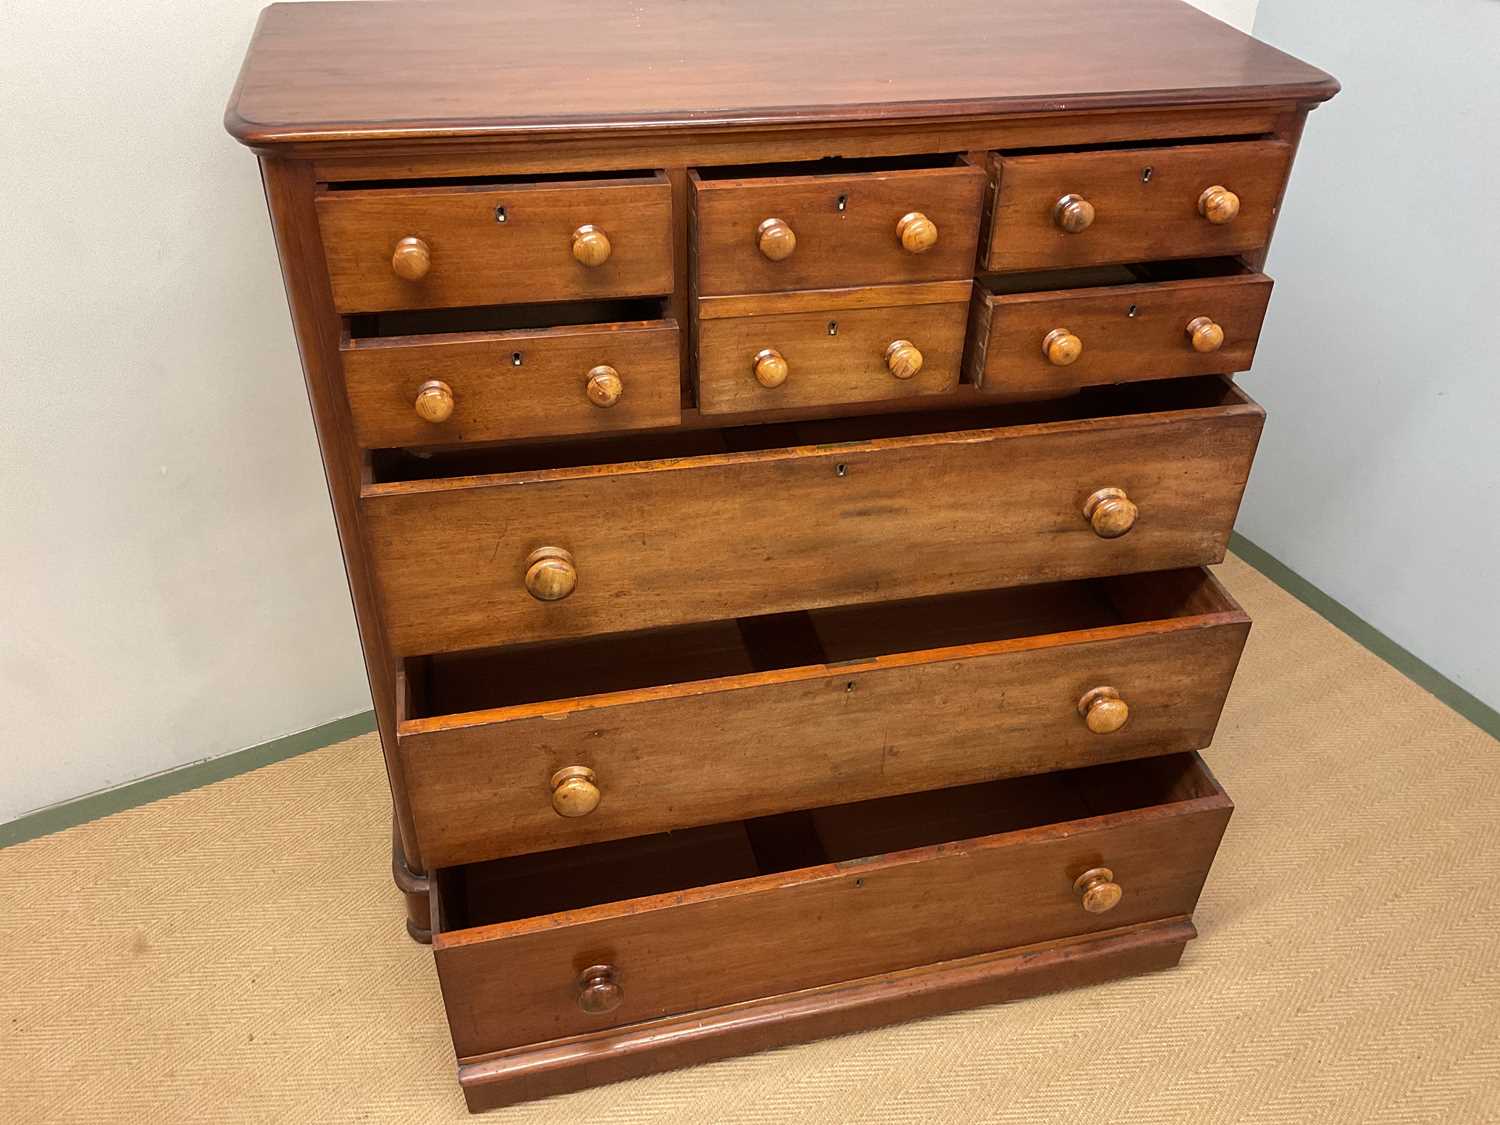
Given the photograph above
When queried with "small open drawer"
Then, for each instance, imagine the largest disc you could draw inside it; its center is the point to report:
(1039, 334)
(550, 745)
(534, 948)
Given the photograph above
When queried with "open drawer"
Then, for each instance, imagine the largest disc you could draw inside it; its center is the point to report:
(1034, 335)
(545, 746)
(531, 949)
(575, 539)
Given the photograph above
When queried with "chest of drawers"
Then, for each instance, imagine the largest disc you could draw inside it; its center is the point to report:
(775, 449)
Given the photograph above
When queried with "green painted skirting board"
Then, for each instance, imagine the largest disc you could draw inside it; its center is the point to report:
(92, 806)
(43, 822)
(1424, 675)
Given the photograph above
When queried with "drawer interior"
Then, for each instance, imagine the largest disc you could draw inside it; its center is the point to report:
(527, 886)
(830, 166)
(499, 318)
(1207, 392)
(1096, 277)
(457, 684)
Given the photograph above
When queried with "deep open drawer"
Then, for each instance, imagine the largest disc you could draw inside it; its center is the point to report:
(551, 745)
(710, 916)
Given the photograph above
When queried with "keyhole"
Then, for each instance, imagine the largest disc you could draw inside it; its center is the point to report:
(833, 328)
(1146, 174)
(500, 215)
(841, 470)
(843, 202)
(515, 359)
(1130, 311)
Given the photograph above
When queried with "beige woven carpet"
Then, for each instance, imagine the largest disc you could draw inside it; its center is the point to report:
(237, 954)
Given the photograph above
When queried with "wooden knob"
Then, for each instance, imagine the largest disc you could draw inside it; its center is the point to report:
(1205, 334)
(574, 792)
(775, 239)
(770, 367)
(1073, 213)
(1103, 710)
(1110, 512)
(591, 246)
(1218, 204)
(550, 574)
(918, 233)
(1098, 889)
(1061, 347)
(434, 401)
(604, 387)
(412, 259)
(599, 989)
(903, 359)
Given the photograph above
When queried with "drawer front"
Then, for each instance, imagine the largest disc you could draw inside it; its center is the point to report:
(708, 538)
(1117, 333)
(1137, 216)
(832, 354)
(492, 386)
(480, 785)
(517, 983)
(453, 251)
(853, 242)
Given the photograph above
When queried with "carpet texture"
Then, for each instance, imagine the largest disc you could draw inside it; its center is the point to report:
(236, 953)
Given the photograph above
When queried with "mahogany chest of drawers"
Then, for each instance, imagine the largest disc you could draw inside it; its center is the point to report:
(775, 448)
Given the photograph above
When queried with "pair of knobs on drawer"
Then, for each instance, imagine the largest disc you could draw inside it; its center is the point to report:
(600, 991)
(1074, 213)
(1062, 347)
(575, 789)
(902, 359)
(435, 400)
(552, 574)
(916, 233)
(412, 258)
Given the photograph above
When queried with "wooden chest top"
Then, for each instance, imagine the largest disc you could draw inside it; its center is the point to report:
(366, 71)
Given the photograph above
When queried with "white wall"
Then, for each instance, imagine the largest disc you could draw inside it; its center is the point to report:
(1378, 478)
(172, 587)
(172, 582)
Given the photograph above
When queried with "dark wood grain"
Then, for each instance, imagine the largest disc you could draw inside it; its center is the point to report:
(864, 722)
(477, 260)
(1130, 331)
(497, 398)
(1139, 218)
(464, 68)
(506, 1077)
(855, 244)
(512, 983)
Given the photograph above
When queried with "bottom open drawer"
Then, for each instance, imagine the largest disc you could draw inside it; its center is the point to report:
(538, 947)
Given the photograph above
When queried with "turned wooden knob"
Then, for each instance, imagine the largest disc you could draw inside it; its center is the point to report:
(1103, 710)
(1073, 213)
(1098, 889)
(604, 387)
(903, 359)
(1205, 335)
(770, 367)
(1110, 512)
(918, 233)
(574, 791)
(412, 259)
(550, 574)
(1218, 204)
(1061, 347)
(591, 246)
(775, 239)
(599, 989)
(434, 401)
